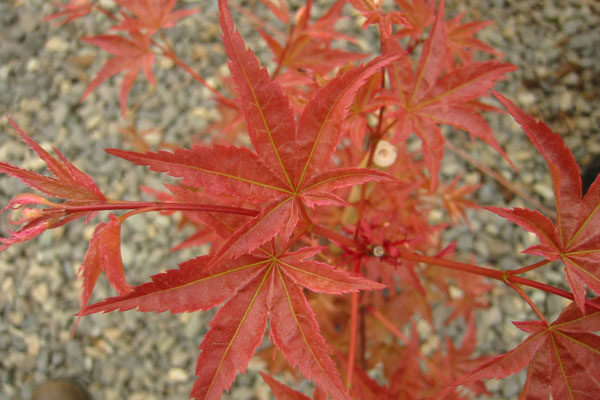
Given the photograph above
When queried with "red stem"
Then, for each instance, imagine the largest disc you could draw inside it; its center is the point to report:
(549, 289)
(405, 340)
(528, 268)
(106, 12)
(136, 212)
(376, 138)
(363, 334)
(492, 273)
(456, 265)
(353, 331)
(160, 206)
(336, 237)
(388, 324)
(528, 300)
(283, 53)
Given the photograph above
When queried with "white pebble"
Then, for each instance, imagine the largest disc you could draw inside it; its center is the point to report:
(385, 154)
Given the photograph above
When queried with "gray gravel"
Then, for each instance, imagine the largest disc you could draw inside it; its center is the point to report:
(43, 72)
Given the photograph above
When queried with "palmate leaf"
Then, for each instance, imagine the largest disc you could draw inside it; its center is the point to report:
(73, 10)
(563, 358)
(308, 47)
(369, 98)
(420, 14)
(76, 188)
(131, 55)
(284, 392)
(280, 10)
(462, 40)
(151, 15)
(575, 236)
(281, 391)
(265, 285)
(69, 183)
(288, 170)
(385, 20)
(456, 362)
(431, 96)
(454, 199)
(69, 12)
(366, 388)
(103, 254)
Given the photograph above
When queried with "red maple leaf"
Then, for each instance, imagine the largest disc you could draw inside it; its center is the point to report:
(284, 392)
(152, 15)
(462, 40)
(461, 37)
(472, 293)
(265, 285)
(428, 97)
(73, 10)
(103, 254)
(385, 20)
(454, 199)
(69, 183)
(308, 45)
(456, 362)
(407, 377)
(289, 169)
(78, 189)
(563, 358)
(131, 55)
(369, 98)
(281, 10)
(420, 14)
(575, 236)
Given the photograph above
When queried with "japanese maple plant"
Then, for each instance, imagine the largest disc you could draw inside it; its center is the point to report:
(320, 226)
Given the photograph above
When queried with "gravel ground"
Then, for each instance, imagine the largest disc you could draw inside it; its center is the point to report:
(43, 72)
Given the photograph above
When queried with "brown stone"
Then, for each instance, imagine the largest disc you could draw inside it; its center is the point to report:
(60, 389)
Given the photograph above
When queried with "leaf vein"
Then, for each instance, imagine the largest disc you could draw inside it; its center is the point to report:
(264, 121)
(239, 327)
(306, 341)
(561, 366)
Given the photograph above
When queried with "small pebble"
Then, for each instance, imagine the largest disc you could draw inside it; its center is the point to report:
(553, 43)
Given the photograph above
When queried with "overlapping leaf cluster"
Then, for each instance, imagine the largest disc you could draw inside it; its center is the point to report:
(320, 231)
